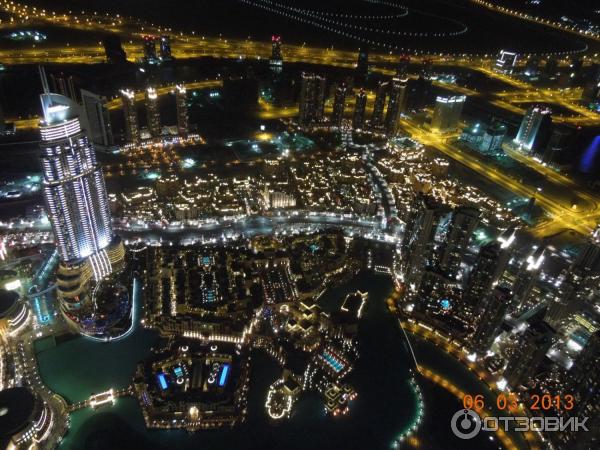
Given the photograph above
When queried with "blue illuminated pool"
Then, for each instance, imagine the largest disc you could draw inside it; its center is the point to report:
(224, 373)
(162, 380)
(337, 366)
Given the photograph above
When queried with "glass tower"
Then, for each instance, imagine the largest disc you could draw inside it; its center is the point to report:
(74, 190)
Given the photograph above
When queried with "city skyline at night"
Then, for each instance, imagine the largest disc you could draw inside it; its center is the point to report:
(365, 224)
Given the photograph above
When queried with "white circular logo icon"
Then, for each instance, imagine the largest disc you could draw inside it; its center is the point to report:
(465, 424)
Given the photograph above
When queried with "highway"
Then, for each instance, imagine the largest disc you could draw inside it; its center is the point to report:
(581, 216)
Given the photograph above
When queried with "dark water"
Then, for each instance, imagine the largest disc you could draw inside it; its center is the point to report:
(385, 408)
(487, 32)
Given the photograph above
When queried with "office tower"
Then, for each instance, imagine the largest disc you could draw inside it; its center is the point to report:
(530, 125)
(276, 61)
(473, 135)
(362, 64)
(165, 48)
(379, 107)
(489, 266)
(182, 111)
(396, 106)
(506, 62)
(461, 227)
(64, 85)
(153, 113)
(493, 138)
(402, 68)
(132, 129)
(339, 104)
(312, 98)
(558, 144)
(418, 240)
(114, 50)
(491, 318)
(446, 115)
(527, 277)
(150, 49)
(360, 107)
(418, 93)
(529, 353)
(77, 207)
(580, 282)
(97, 119)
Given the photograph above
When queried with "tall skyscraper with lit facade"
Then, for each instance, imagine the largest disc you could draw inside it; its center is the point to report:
(491, 318)
(530, 351)
(339, 105)
(182, 110)
(132, 128)
(276, 60)
(379, 106)
(312, 98)
(165, 48)
(153, 113)
(530, 125)
(74, 190)
(360, 107)
(396, 105)
(78, 210)
(446, 115)
(462, 225)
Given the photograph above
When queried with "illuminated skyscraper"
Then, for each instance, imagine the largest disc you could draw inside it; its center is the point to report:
(490, 320)
(97, 119)
(362, 64)
(396, 105)
(150, 49)
(360, 107)
(529, 353)
(379, 107)
(493, 138)
(446, 115)
(276, 60)
(132, 129)
(339, 104)
(165, 48)
(182, 111)
(489, 266)
(402, 69)
(153, 113)
(74, 191)
(78, 210)
(530, 126)
(312, 98)
(418, 240)
(527, 278)
(461, 228)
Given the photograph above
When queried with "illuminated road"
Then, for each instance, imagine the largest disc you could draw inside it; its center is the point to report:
(583, 219)
(581, 216)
